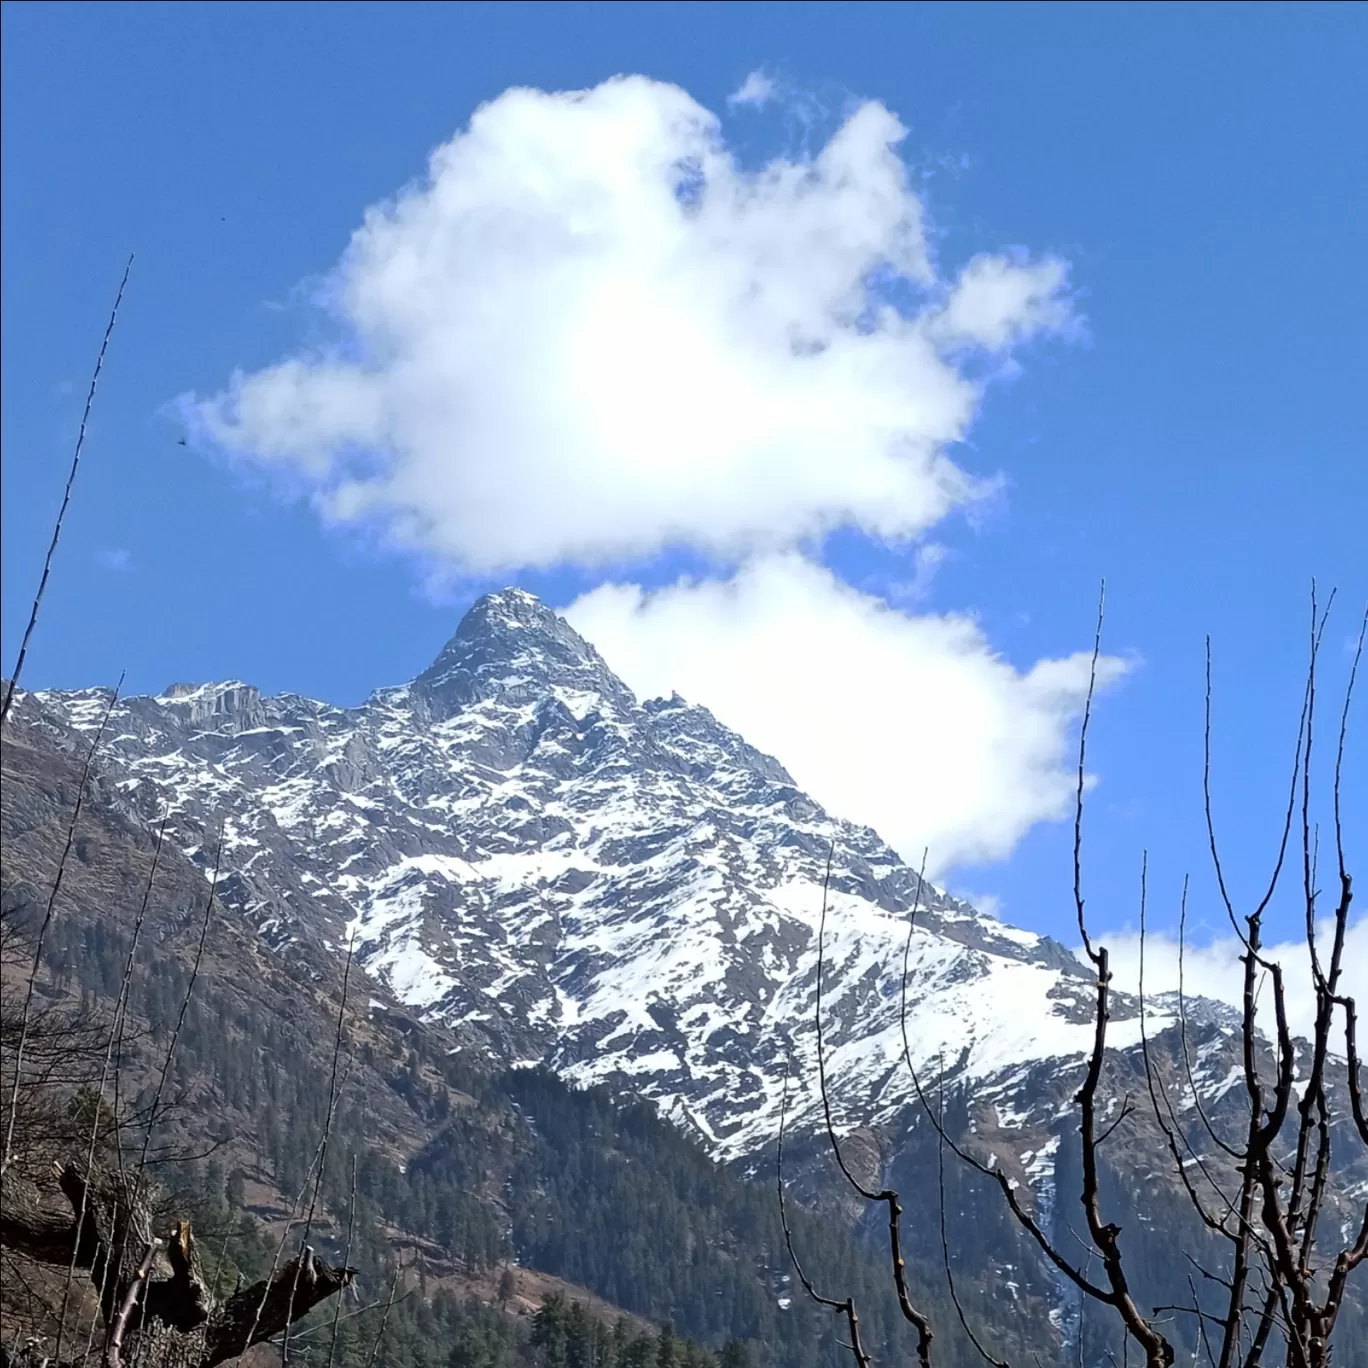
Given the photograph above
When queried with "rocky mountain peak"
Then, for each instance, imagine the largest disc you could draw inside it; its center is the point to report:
(630, 894)
(512, 648)
(510, 611)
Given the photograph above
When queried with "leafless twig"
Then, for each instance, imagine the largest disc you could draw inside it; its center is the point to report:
(916, 1318)
(66, 499)
(384, 1319)
(845, 1308)
(945, 1241)
(115, 1033)
(346, 1259)
(185, 1002)
(47, 921)
(113, 1352)
(327, 1131)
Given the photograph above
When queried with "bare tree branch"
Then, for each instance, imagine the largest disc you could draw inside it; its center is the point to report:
(47, 921)
(66, 499)
(888, 1196)
(844, 1308)
(327, 1124)
(113, 1353)
(346, 1258)
(384, 1319)
(945, 1241)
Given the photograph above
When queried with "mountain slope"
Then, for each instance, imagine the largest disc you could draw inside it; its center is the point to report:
(460, 1168)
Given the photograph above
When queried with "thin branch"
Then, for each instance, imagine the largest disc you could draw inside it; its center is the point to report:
(1339, 749)
(1105, 1235)
(844, 1308)
(346, 1259)
(152, 1113)
(327, 1132)
(1020, 1214)
(314, 1331)
(1182, 1027)
(888, 1196)
(113, 1353)
(1308, 876)
(1082, 777)
(185, 1003)
(66, 499)
(1347, 1003)
(1169, 1125)
(47, 921)
(850, 1178)
(1210, 818)
(121, 1008)
(1267, 1318)
(319, 1155)
(1356, 1105)
(945, 1242)
(115, 1033)
(1127, 1109)
(384, 1319)
(1202, 1319)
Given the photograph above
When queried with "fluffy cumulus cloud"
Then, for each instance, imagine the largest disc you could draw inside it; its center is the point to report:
(589, 334)
(1214, 970)
(911, 724)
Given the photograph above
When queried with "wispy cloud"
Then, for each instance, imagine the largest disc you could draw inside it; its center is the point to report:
(926, 564)
(1214, 970)
(116, 559)
(756, 90)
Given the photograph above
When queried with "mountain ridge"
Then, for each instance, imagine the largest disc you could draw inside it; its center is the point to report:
(626, 891)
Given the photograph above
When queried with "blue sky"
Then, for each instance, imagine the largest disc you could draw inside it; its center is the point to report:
(1196, 437)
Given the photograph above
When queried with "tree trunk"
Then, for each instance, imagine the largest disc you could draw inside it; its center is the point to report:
(156, 1309)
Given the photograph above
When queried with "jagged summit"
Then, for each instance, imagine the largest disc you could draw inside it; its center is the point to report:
(510, 645)
(511, 614)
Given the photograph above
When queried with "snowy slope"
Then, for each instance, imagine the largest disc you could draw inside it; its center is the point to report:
(625, 890)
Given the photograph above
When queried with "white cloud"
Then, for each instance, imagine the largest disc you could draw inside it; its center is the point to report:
(988, 904)
(1214, 970)
(910, 724)
(998, 300)
(588, 335)
(756, 90)
(926, 564)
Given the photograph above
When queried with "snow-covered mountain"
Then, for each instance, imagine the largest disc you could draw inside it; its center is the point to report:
(627, 892)
(624, 890)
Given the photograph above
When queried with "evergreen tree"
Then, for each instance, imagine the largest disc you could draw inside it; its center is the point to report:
(665, 1347)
